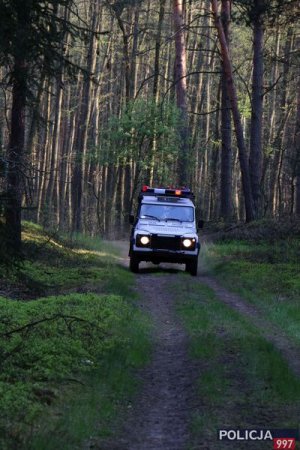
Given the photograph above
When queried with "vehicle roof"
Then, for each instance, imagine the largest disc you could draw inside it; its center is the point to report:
(164, 200)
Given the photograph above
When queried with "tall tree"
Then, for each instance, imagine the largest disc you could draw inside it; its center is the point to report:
(255, 156)
(156, 74)
(226, 156)
(297, 148)
(235, 114)
(81, 137)
(280, 124)
(30, 39)
(181, 94)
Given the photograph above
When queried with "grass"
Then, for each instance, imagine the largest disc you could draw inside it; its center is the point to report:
(245, 382)
(265, 273)
(95, 409)
(70, 351)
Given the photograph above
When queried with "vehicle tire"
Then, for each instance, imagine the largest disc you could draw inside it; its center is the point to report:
(134, 264)
(192, 267)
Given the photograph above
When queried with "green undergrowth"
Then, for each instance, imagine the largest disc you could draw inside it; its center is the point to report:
(53, 263)
(68, 358)
(243, 380)
(258, 230)
(265, 272)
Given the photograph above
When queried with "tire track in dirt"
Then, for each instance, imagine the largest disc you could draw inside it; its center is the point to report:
(289, 350)
(161, 415)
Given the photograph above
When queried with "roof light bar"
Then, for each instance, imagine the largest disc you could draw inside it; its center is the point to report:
(172, 192)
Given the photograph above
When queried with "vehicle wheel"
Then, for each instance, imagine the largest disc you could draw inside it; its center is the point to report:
(134, 264)
(192, 267)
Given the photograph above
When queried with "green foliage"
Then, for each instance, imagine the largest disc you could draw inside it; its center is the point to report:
(89, 411)
(245, 106)
(32, 30)
(71, 355)
(145, 132)
(269, 11)
(52, 340)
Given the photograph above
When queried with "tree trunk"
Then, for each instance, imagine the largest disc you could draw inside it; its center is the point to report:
(226, 155)
(134, 68)
(15, 155)
(44, 155)
(235, 114)
(157, 49)
(297, 155)
(150, 175)
(280, 125)
(52, 206)
(181, 94)
(82, 132)
(255, 156)
(127, 69)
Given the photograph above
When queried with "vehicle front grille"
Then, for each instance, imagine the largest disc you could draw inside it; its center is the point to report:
(165, 242)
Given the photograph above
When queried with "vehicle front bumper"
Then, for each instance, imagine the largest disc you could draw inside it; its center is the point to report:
(157, 255)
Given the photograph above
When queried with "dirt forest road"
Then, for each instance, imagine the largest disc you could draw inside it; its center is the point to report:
(159, 418)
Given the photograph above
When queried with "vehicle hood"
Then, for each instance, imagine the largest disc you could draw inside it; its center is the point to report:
(167, 228)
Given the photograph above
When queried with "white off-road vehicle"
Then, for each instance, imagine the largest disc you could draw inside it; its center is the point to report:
(164, 229)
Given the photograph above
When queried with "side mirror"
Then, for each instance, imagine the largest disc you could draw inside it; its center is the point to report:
(131, 219)
(200, 224)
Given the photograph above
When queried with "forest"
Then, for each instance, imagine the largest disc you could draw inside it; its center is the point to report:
(98, 99)
(101, 97)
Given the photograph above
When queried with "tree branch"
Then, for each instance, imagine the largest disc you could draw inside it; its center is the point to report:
(30, 325)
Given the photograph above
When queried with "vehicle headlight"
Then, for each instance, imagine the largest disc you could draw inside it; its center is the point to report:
(187, 243)
(144, 240)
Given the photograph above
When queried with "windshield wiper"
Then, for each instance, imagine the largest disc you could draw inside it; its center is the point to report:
(151, 217)
(171, 218)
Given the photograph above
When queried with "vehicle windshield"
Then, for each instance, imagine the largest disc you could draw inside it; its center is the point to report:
(167, 212)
